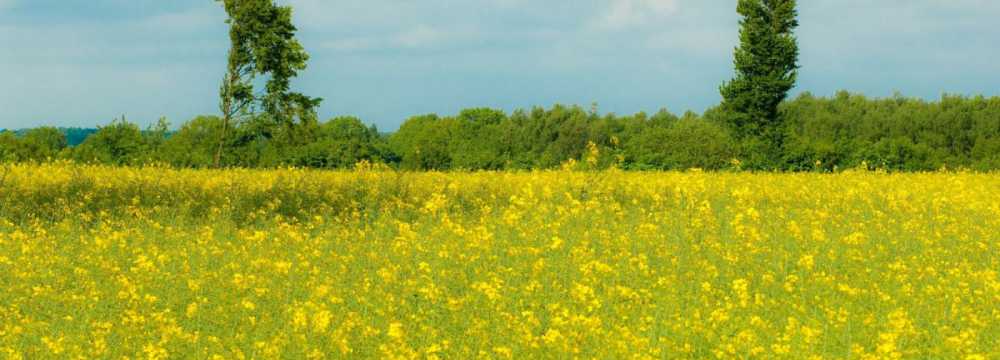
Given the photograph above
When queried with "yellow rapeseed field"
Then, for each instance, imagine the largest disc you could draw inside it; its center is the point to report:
(101, 262)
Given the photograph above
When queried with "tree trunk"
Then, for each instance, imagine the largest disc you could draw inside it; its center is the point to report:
(227, 114)
(222, 140)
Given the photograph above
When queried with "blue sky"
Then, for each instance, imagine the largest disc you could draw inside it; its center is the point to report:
(84, 62)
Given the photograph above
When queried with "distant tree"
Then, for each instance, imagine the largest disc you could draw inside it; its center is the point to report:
(193, 145)
(766, 64)
(8, 146)
(262, 43)
(669, 143)
(572, 130)
(477, 143)
(155, 137)
(43, 143)
(120, 143)
(820, 134)
(424, 143)
(38, 144)
(341, 142)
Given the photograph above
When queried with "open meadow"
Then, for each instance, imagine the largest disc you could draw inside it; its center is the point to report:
(104, 262)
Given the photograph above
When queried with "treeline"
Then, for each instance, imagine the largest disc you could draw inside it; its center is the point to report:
(845, 131)
(74, 136)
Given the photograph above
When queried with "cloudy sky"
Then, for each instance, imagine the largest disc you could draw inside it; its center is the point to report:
(84, 62)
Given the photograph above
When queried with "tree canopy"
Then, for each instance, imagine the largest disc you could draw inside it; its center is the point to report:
(263, 44)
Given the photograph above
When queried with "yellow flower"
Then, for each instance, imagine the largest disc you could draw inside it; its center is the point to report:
(552, 336)
(806, 262)
(503, 351)
(321, 321)
(396, 330)
(191, 309)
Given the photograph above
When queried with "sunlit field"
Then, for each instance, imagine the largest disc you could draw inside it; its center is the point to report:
(100, 262)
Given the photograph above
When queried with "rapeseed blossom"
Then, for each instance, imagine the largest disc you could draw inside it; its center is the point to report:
(103, 262)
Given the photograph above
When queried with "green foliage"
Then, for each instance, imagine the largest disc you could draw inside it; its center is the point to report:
(766, 62)
(8, 147)
(42, 143)
(194, 144)
(821, 134)
(690, 142)
(487, 139)
(33, 145)
(478, 143)
(341, 142)
(263, 44)
(423, 143)
(897, 133)
(120, 143)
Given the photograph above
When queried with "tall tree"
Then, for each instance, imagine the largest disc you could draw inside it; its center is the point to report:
(262, 43)
(766, 64)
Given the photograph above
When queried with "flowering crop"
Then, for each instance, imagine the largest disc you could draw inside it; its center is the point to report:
(101, 262)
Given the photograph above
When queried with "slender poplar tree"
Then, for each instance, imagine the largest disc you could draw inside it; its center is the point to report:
(766, 63)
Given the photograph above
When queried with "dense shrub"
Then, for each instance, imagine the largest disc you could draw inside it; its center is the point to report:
(818, 134)
(33, 145)
(194, 144)
(340, 143)
(120, 143)
(896, 133)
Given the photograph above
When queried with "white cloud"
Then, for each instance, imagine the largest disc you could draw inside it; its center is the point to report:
(628, 13)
